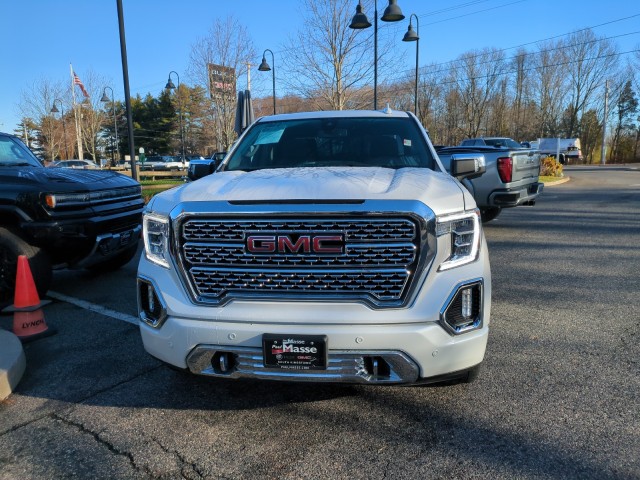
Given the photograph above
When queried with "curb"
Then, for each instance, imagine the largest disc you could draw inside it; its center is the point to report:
(12, 363)
(557, 182)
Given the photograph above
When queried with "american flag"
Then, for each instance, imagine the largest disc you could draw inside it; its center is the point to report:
(77, 81)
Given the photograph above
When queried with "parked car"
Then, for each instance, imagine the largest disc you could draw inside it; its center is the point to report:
(78, 164)
(62, 218)
(219, 156)
(163, 163)
(498, 142)
(511, 177)
(569, 149)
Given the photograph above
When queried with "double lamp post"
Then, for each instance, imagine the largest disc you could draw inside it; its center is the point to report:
(392, 13)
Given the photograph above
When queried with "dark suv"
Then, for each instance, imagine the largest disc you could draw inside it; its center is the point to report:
(61, 217)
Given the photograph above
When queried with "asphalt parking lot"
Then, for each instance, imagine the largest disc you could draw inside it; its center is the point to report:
(558, 396)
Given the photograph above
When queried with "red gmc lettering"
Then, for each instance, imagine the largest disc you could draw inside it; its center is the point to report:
(318, 246)
(304, 243)
(265, 244)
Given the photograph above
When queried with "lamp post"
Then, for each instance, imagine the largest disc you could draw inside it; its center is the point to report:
(64, 128)
(171, 86)
(360, 21)
(414, 36)
(115, 148)
(264, 67)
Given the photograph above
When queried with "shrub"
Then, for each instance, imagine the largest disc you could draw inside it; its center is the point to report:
(549, 167)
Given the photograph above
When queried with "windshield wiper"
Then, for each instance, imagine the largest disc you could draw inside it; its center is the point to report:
(11, 164)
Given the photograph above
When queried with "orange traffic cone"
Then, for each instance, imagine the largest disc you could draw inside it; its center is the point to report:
(28, 318)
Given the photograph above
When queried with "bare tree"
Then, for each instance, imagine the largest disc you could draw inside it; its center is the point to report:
(91, 115)
(333, 64)
(477, 76)
(522, 117)
(36, 103)
(549, 86)
(592, 60)
(227, 44)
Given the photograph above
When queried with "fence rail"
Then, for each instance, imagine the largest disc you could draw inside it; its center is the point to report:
(154, 175)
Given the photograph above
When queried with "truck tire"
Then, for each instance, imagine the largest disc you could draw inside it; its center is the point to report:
(489, 213)
(11, 247)
(116, 262)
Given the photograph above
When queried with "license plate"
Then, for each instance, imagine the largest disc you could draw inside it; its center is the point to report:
(125, 237)
(295, 352)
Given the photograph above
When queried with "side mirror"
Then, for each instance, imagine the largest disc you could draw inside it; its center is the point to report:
(467, 165)
(201, 168)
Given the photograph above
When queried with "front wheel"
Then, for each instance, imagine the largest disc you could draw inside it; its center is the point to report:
(11, 247)
(489, 213)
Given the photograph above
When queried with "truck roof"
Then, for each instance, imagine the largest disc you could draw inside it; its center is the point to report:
(336, 114)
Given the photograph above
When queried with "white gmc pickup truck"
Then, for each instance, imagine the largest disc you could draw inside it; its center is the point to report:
(327, 247)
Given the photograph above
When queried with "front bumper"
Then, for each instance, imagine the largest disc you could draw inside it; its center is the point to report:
(410, 345)
(411, 352)
(109, 245)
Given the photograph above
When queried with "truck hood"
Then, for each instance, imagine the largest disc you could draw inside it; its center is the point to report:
(439, 191)
(65, 179)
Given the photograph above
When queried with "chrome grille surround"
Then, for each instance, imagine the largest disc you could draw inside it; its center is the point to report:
(385, 243)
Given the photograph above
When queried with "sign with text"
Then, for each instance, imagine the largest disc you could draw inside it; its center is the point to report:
(222, 80)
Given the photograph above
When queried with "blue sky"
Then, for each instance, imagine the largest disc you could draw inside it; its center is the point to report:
(41, 38)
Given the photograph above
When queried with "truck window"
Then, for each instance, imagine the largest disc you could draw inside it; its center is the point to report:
(357, 142)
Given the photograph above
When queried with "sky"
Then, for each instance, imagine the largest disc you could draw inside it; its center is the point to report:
(41, 38)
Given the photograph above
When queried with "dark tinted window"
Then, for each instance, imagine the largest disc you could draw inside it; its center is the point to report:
(360, 142)
(14, 153)
(502, 142)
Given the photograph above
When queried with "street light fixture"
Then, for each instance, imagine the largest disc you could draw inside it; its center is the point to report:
(414, 36)
(115, 148)
(360, 21)
(170, 86)
(264, 67)
(64, 127)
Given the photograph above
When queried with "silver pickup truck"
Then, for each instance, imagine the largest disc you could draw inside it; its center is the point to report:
(510, 180)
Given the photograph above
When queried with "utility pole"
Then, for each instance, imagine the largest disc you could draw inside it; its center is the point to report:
(248, 76)
(603, 154)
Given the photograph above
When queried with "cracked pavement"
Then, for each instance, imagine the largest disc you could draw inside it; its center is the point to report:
(558, 396)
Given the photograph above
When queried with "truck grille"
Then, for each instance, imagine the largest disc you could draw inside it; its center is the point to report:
(374, 259)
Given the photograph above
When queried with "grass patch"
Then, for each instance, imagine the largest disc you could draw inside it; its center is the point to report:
(148, 193)
(168, 181)
(548, 178)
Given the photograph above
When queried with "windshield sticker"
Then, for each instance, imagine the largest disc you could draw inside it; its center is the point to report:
(406, 142)
(269, 135)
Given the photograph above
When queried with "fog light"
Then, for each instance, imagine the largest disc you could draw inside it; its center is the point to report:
(463, 309)
(151, 308)
(467, 303)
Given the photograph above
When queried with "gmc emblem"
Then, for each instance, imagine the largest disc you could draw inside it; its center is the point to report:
(287, 244)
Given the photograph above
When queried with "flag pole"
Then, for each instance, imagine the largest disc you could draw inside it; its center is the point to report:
(75, 115)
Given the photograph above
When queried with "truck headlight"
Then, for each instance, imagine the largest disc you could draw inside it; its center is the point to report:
(155, 232)
(463, 230)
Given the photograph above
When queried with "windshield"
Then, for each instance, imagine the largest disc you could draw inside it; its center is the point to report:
(13, 153)
(502, 142)
(332, 142)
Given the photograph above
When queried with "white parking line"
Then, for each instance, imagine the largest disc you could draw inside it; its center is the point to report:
(94, 308)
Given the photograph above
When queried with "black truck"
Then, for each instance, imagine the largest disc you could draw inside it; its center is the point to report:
(60, 217)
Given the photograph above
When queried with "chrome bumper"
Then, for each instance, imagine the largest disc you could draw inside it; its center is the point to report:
(368, 367)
